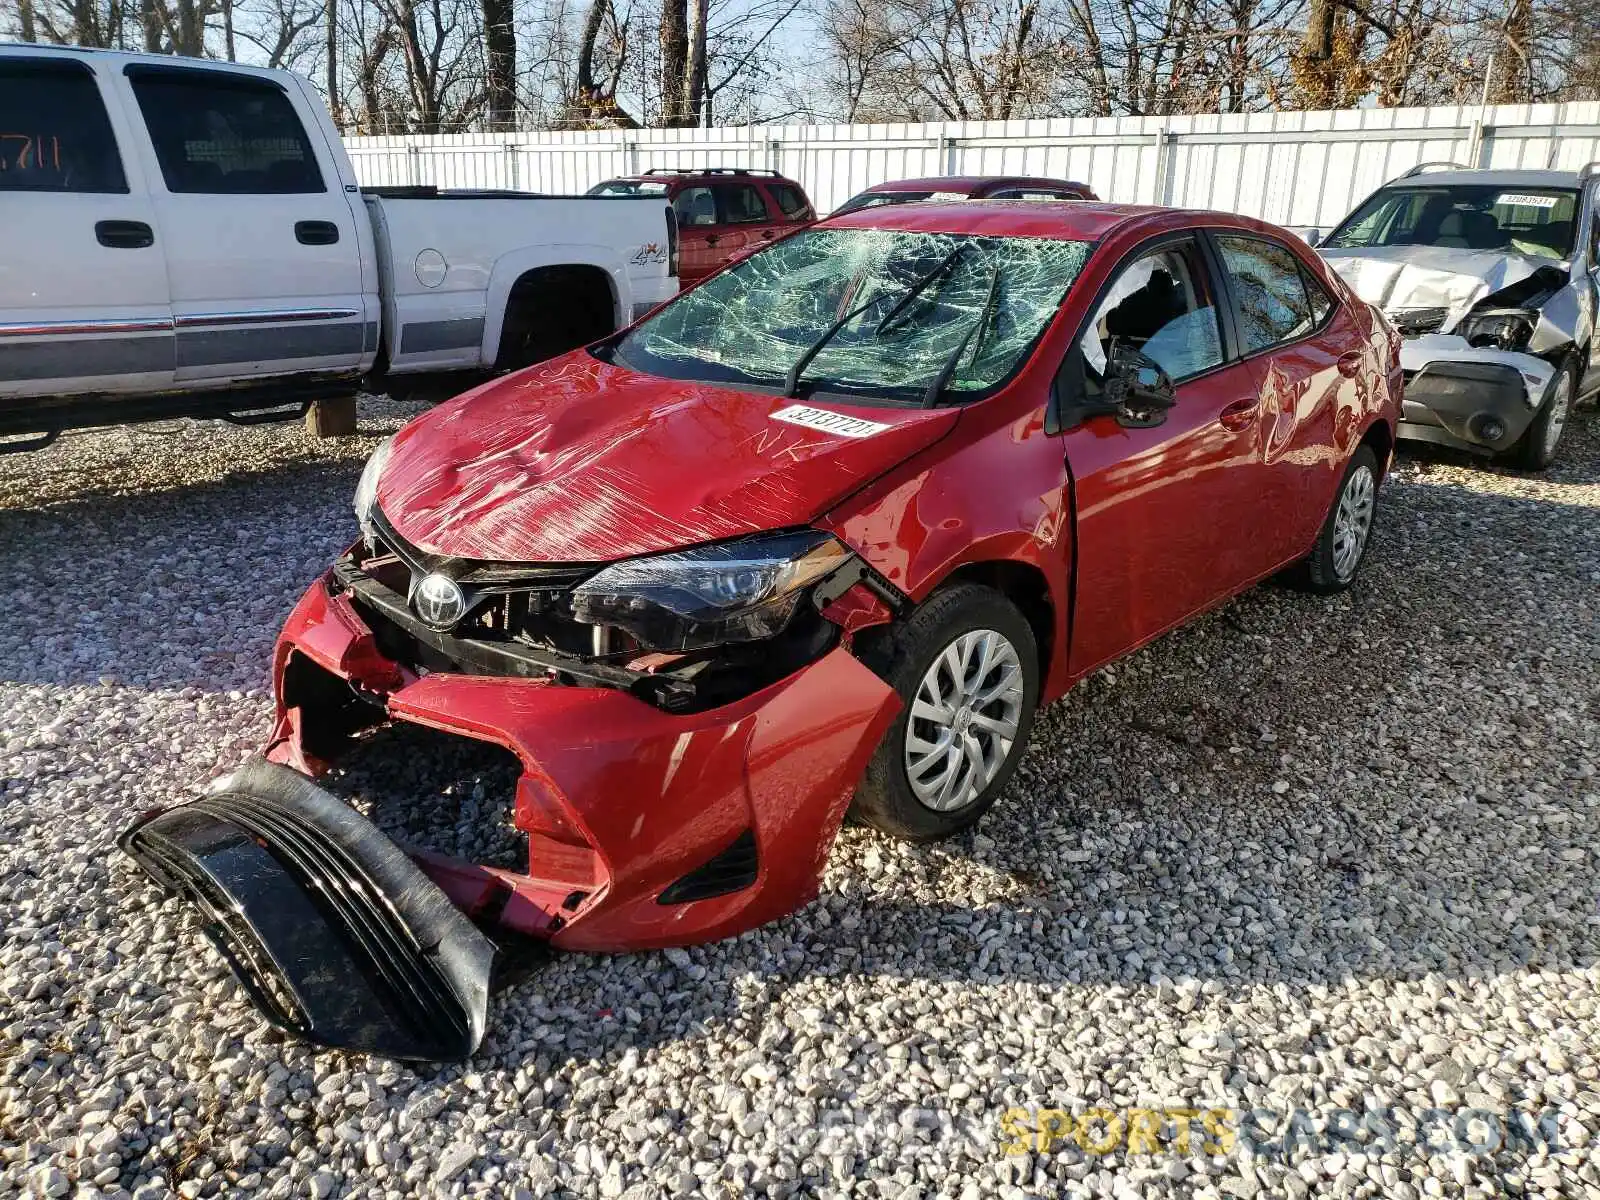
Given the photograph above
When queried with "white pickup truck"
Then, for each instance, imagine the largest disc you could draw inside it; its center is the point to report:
(186, 238)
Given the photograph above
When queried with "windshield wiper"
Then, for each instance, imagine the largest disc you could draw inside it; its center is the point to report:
(942, 379)
(911, 293)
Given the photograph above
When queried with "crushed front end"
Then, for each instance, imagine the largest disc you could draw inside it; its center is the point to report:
(667, 795)
(1485, 336)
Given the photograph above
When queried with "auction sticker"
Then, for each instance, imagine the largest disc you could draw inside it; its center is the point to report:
(1526, 200)
(828, 421)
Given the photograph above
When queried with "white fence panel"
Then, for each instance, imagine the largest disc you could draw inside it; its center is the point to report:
(1296, 168)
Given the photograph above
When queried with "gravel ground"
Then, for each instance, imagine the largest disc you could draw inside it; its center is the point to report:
(1302, 855)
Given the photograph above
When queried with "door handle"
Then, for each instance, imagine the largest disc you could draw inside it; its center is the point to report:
(1241, 414)
(711, 239)
(1350, 364)
(316, 233)
(124, 235)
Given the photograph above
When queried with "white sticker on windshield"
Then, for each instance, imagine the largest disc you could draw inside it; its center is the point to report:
(828, 422)
(948, 196)
(1525, 199)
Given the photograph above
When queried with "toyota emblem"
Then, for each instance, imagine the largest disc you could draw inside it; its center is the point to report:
(439, 601)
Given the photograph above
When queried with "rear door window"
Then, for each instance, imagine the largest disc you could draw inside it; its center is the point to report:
(741, 204)
(225, 135)
(1271, 289)
(54, 132)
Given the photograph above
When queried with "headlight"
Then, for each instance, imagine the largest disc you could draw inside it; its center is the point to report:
(1501, 329)
(366, 500)
(740, 591)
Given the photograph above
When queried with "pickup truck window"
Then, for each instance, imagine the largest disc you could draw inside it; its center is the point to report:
(54, 135)
(884, 313)
(225, 135)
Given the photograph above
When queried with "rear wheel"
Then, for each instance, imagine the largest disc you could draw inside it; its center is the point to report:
(966, 664)
(1537, 448)
(1342, 544)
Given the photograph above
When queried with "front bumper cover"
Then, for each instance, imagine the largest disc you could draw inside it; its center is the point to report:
(646, 828)
(1469, 397)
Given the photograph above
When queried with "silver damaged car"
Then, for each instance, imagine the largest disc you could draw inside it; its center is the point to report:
(1491, 276)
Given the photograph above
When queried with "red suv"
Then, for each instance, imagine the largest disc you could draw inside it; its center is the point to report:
(723, 212)
(819, 535)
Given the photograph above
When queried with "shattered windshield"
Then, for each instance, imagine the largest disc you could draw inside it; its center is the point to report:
(879, 312)
(1511, 220)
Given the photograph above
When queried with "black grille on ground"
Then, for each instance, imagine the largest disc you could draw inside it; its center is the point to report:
(363, 911)
(731, 871)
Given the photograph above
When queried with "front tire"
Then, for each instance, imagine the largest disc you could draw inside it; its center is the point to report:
(1537, 448)
(1342, 543)
(966, 665)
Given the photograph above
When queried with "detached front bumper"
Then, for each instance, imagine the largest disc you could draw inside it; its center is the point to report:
(1466, 397)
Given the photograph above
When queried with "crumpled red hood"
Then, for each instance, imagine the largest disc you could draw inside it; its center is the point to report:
(579, 461)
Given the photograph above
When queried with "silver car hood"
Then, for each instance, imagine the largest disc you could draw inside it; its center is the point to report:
(1396, 278)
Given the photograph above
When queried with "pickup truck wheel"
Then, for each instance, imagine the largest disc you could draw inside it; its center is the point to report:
(1537, 448)
(1342, 544)
(966, 664)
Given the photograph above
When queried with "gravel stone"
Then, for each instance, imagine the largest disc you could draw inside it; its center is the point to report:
(1301, 853)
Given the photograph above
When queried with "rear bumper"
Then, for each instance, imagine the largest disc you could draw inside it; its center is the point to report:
(645, 828)
(1469, 398)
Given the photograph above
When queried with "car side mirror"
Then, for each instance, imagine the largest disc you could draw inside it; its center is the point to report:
(1138, 391)
(1312, 237)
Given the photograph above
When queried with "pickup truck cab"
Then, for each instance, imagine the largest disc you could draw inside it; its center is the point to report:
(195, 242)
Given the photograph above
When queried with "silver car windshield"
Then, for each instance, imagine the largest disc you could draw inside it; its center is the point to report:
(1539, 222)
(919, 301)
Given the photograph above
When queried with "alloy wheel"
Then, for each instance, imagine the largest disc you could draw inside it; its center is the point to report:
(964, 720)
(1560, 406)
(1353, 521)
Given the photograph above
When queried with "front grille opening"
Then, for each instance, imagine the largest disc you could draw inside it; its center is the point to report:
(436, 791)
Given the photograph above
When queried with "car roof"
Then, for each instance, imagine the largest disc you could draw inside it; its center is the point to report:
(1066, 220)
(1489, 178)
(968, 183)
(89, 53)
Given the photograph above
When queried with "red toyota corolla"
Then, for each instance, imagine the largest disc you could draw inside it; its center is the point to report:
(819, 535)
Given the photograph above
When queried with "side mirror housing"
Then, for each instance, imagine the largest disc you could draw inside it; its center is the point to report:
(1137, 387)
(1136, 391)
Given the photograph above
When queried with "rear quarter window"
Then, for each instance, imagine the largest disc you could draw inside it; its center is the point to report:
(790, 200)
